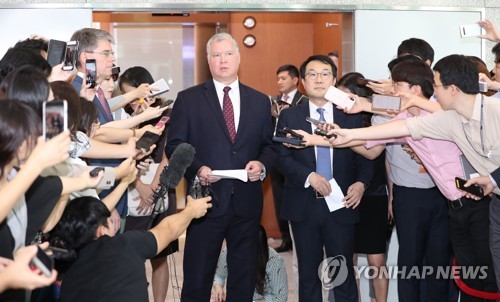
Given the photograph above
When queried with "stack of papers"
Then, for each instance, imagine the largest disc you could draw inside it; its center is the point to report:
(240, 174)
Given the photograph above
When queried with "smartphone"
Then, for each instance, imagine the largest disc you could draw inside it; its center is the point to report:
(291, 141)
(293, 133)
(339, 98)
(162, 85)
(162, 121)
(483, 86)
(55, 118)
(90, 72)
(385, 102)
(363, 81)
(314, 121)
(166, 103)
(470, 30)
(324, 133)
(43, 262)
(70, 55)
(94, 172)
(56, 52)
(146, 141)
(473, 189)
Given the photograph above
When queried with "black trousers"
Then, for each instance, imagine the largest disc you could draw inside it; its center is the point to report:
(277, 182)
(422, 227)
(469, 234)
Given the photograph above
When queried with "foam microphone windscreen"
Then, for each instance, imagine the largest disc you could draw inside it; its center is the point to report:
(181, 159)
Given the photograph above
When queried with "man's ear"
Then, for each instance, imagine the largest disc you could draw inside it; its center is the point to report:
(416, 90)
(101, 230)
(295, 81)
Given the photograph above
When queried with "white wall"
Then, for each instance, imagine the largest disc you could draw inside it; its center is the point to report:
(59, 24)
(378, 34)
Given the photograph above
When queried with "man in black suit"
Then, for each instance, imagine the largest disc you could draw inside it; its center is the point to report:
(288, 82)
(307, 174)
(229, 124)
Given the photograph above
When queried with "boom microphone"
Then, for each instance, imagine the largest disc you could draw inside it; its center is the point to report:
(181, 159)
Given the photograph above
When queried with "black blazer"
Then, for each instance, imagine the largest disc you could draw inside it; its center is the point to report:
(197, 119)
(296, 164)
(298, 98)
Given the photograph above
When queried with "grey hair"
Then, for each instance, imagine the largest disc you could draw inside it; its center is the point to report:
(88, 38)
(220, 37)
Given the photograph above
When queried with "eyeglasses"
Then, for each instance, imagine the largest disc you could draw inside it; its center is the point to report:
(106, 53)
(313, 75)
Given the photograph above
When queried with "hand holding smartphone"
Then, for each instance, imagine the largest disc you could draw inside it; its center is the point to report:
(162, 121)
(55, 118)
(90, 73)
(472, 189)
(42, 262)
(339, 98)
(146, 141)
(288, 140)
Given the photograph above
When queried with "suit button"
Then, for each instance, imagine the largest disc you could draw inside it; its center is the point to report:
(234, 152)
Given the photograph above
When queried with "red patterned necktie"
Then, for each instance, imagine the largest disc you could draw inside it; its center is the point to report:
(104, 103)
(227, 110)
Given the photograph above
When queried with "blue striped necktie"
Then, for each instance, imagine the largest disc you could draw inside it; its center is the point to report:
(323, 160)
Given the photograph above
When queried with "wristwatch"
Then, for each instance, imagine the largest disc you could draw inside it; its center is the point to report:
(263, 173)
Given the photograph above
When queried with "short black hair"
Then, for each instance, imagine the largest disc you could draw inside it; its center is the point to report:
(292, 70)
(415, 73)
(404, 58)
(417, 47)
(496, 51)
(17, 57)
(460, 71)
(320, 58)
(334, 53)
(36, 44)
(19, 123)
(350, 81)
(135, 76)
(27, 84)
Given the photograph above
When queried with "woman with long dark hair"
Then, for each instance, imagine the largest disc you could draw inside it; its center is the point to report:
(271, 285)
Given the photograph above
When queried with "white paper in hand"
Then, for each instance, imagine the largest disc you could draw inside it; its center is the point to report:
(240, 174)
(162, 85)
(334, 200)
(339, 98)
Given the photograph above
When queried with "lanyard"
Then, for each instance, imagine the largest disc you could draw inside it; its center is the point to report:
(481, 126)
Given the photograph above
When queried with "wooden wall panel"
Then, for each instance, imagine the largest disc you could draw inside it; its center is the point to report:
(282, 38)
(327, 28)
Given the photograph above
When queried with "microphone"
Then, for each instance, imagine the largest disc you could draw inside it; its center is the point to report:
(181, 159)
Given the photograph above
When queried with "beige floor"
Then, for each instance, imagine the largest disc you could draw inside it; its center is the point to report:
(176, 274)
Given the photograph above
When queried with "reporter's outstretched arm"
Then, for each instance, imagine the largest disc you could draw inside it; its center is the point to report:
(44, 155)
(171, 227)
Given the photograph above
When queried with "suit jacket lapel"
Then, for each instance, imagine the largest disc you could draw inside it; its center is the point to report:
(306, 126)
(213, 103)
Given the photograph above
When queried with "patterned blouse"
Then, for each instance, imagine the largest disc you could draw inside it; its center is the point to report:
(276, 286)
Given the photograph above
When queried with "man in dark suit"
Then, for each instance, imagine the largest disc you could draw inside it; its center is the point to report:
(288, 82)
(229, 124)
(97, 44)
(307, 174)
